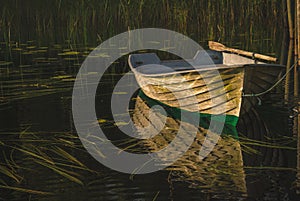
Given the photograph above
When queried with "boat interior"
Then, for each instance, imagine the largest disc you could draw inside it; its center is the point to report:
(150, 63)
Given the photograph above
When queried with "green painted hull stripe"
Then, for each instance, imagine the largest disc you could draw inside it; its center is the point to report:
(205, 119)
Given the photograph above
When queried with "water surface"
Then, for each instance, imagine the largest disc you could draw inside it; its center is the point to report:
(40, 55)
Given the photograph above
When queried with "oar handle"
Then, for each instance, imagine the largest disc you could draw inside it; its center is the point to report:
(220, 47)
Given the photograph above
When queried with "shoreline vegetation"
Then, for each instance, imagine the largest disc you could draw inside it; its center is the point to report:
(92, 22)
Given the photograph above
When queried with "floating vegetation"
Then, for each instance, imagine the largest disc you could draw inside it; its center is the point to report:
(101, 121)
(28, 53)
(5, 63)
(31, 47)
(52, 153)
(121, 123)
(16, 49)
(68, 53)
(24, 190)
(61, 77)
(11, 173)
(285, 143)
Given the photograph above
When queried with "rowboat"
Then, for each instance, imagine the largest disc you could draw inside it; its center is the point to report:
(211, 83)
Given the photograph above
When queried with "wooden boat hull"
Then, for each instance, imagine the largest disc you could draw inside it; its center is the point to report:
(205, 87)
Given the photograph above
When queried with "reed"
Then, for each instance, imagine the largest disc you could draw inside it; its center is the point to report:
(49, 152)
(81, 21)
(297, 46)
(297, 130)
(288, 77)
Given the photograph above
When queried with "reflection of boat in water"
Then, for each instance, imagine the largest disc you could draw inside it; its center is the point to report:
(221, 172)
(228, 171)
(213, 85)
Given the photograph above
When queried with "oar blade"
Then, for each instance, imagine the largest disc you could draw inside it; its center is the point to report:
(216, 46)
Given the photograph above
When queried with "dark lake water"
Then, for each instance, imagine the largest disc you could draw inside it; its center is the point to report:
(42, 156)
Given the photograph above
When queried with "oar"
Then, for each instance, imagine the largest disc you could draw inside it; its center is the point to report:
(220, 47)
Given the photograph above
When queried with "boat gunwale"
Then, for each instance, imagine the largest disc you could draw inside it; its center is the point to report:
(200, 69)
